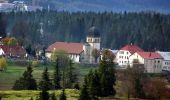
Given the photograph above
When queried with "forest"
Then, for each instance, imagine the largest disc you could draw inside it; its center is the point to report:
(149, 30)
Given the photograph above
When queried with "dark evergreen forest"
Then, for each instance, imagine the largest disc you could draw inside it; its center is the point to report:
(149, 30)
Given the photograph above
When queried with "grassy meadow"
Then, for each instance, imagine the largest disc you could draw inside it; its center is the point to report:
(13, 72)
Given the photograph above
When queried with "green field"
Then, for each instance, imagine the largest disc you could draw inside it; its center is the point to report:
(13, 72)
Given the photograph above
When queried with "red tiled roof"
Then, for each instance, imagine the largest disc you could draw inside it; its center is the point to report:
(71, 48)
(13, 50)
(132, 48)
(150, 55)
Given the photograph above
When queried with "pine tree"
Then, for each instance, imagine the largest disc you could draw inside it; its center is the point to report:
(91, 85)
(26, 82)
(96, 82)
(63, 95)
(3, 25)
(107, 74)
(44, 95)
(29, 80)
(45, 83)
(53, 97)
(76, 86)
(84, 95)
(71, 75)
(57, 76)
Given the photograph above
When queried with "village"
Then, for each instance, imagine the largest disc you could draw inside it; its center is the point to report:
(153, 62)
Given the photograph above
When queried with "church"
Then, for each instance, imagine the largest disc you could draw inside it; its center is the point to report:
(79, 52)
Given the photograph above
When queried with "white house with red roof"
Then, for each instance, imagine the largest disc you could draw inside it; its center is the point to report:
(79, 52)
(122, 57)
(74, 50)
(12, 51)
(152, 61)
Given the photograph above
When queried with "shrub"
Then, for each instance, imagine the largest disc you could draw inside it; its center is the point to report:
(35, 63)
(3, 63)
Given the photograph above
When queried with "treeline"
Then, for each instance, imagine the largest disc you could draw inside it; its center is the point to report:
(149, 30)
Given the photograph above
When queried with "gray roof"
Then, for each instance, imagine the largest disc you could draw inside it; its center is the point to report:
(93, 32)
(165, 55)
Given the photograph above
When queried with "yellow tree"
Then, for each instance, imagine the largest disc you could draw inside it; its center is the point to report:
(12, 41)
(3, 63)
(96, 54)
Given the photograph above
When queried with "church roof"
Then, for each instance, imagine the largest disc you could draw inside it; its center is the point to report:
(71, 48)
(93, 32)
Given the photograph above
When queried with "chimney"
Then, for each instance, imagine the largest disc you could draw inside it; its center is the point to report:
(150, 54)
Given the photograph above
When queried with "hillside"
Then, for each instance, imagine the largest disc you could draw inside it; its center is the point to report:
(105, 5)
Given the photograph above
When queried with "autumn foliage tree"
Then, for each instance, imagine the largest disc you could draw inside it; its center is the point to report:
(3, 63)
(156, 89)
(96, 54)
(132, 81)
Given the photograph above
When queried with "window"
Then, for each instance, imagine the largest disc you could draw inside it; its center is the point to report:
(127, 52)
(158, 61)
(121, 52)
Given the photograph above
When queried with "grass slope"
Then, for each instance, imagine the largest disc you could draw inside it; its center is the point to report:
(13, 73)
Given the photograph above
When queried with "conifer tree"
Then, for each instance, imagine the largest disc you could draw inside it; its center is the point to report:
(71, 75)
(44, 95)
(57, 76)
(26, 82)
(91, 85)
(45, 83)
(84, 95)
(53, 97)
(107, 74)
(63, 95)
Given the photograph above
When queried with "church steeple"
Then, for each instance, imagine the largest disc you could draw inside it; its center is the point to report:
(93, 35)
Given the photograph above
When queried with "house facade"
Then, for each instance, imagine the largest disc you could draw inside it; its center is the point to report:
(122, 57)
(74, 50)
(152, 61)
(12, 51)
(166, 60)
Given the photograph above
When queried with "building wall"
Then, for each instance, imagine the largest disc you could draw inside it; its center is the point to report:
(48, 55)
(136, 56)
(166, 65)
(153, 65)
(74, 57)
(123, 58)
(94, 43)
(1, 52)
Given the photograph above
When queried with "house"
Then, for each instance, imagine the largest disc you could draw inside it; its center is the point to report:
(79, 52)
(74, 50)
(124, 53)
(152, 61)
(166, 60)
(12, 51)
